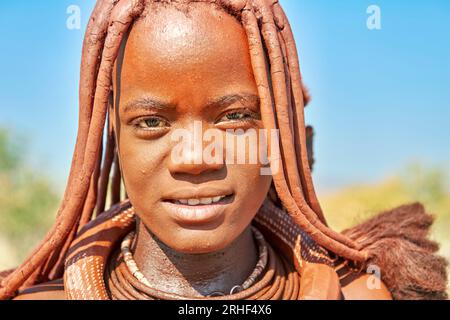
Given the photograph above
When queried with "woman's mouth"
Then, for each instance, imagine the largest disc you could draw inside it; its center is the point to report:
(199, 210)
(201, 201)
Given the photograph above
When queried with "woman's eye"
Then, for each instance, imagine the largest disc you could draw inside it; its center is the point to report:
(237, 116)
(152, 123)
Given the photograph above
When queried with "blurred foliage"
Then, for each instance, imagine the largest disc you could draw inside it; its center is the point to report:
(28, 202)
(416, 183)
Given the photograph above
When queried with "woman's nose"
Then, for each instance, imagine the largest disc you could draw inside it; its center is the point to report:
(196, 156)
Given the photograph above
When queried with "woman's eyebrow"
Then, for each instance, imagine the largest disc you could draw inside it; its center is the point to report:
(247, 99)
(148, 103)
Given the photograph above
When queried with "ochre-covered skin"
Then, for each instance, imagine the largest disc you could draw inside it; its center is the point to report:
(152, 67)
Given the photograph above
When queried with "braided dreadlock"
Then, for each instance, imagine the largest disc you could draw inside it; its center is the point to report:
(283, 98)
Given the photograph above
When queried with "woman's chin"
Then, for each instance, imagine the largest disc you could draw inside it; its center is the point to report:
(197, 242)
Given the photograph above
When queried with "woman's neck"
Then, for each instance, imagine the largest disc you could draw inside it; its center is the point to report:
(194, 275)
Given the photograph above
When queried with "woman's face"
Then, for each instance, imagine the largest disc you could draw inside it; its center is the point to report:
(176, 73)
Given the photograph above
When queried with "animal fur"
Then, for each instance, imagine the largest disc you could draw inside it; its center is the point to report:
(398, 241)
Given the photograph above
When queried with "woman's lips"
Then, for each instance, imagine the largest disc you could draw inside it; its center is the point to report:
(198, 211)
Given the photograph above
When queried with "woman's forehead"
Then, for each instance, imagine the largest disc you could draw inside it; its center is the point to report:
(201, 30)
(169, 47)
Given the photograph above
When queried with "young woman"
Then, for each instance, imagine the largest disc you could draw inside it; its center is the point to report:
(197, 229)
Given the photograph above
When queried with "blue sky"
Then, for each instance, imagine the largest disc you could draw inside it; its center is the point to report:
(381, 98)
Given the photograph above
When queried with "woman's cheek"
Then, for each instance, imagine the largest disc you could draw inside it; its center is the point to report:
(252, 186)
(140, 162)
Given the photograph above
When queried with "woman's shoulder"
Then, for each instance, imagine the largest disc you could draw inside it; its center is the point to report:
(53, 290)
(364, 286)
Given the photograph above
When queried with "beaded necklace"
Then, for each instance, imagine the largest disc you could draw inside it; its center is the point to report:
(272, 278)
